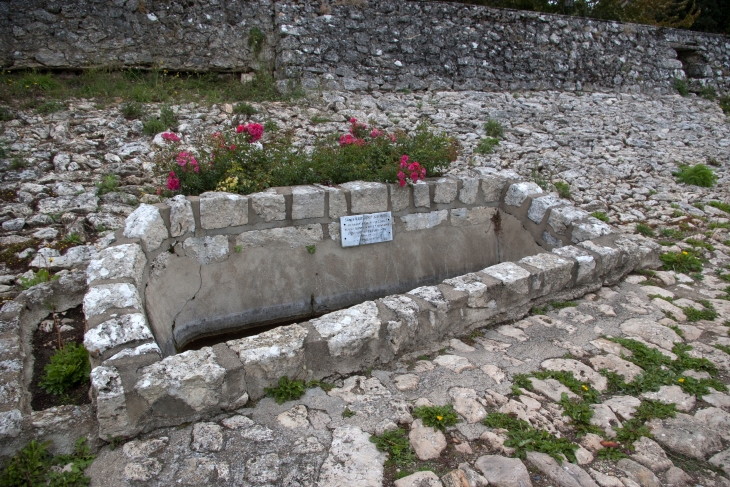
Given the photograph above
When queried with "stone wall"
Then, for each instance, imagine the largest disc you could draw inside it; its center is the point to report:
(385, 45)
(191, 36)
(139, 385)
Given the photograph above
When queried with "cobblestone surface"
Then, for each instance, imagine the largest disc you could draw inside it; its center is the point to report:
(616, 151)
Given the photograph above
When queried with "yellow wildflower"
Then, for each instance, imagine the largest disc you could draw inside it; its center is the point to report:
(681, 380)
(684, 253)
(440, 418)
(585, 387)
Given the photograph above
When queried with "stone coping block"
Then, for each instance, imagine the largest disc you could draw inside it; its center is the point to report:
(137, 388)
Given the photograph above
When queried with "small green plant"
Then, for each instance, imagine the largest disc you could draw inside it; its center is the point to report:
(311, 248)
(708, 313)
(708, 93)
(611, 454)
(725, 104)
(34, 466)
(582, 389)
(17, 163)
(348, 413)
(165, 121)
(643, 229)
(132, 110)
(109, 183)
(50, 107)
(539, 310)
(270, 126)
(720, 206)
(397, 445)
(286, 390)
(256, 40)
(319, 119)
(671, 233)
(486, 145)
(684, 262)
(580, 413)
(43, 275)
(563, 304)
(698, 175)
(6, 115)
(239, 249)
(439, 417)
(724, 348)
(601, 215)
(681, 86)
(494, 129)
(713, 162)
(699, 243)
(68, 367)
(523, 438)
(563, 189)
(325, 386)
(244, 108)
(153, 126)
(72, 239)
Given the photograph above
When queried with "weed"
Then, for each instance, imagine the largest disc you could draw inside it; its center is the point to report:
(698, 175)
(239, 249)
(256, 40)
(486, 145)
(6, 115)
(108, 184)
(681, 86)
(39, 277)
(319, 119)
(720, 206)
(677, 330)
(72, 239)
(523, 438)
(115, 441)
(693, 314)
(68, 366)
(51, 107)
(311, 248)
(494, 129)
(713, 162)
(33, 465)
(539, 310)
(165, 121)
(325, 386)
(713, 226)
(672, 233)
(699, 243)
(563, 304)
(644, 230)
(580, 413)
(523, 381)
(16, 164)
(725, 104)
(132, 110)
(612, 454)
(153, 126)
(348, 413)
(244, 108)
(601, 215)
(563, 189)
(683, 262)
(631, 431)
(583, 390)
(270, 126)
(438, 417)
(708, 93)
(287, 390)
(397, 445)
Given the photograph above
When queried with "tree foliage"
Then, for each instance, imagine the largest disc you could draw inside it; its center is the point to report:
(704, 15)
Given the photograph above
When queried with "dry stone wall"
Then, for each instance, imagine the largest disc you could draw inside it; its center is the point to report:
(138, 386)
(383, 45)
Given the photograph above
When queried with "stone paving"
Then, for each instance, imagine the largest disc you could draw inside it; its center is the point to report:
(616, 151)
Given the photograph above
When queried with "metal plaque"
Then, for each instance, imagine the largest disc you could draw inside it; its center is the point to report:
(366, 229)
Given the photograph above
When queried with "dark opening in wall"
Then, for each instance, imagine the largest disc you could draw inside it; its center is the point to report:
(693, 62)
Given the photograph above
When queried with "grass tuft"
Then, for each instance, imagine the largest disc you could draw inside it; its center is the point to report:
(698, 175)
